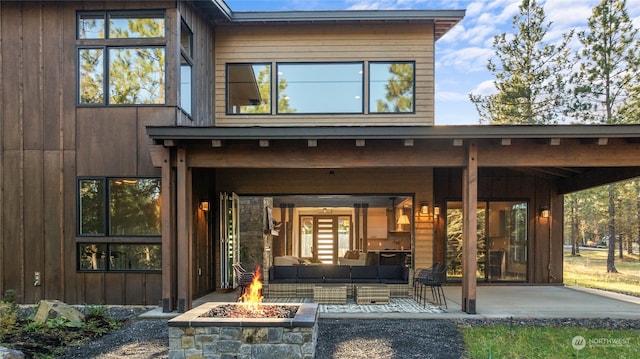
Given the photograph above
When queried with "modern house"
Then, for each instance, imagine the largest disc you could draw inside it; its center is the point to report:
(148, 145)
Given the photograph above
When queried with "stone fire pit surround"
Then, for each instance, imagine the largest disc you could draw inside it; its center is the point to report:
(191, 335)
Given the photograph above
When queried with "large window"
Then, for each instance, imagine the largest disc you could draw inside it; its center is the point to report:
(321, 88)
(112, 70)
(501, 241)
(121, 219)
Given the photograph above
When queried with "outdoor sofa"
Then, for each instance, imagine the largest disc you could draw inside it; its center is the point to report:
(298, 281)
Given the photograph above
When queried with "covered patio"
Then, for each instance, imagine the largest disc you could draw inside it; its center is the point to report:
(552, 161)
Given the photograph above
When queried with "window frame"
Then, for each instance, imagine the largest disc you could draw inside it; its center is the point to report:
(106, 231)
(106, 238)
(413, 92)
(107, 263)
(227, 89)
(187, 56)
(364, 78)
(107, 43)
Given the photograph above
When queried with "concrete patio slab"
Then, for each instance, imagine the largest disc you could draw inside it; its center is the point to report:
(497, 301)
(544, 302)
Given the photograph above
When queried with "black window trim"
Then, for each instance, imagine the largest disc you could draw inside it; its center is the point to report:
(277, 81)
(226, 89)
(107, 262)
(106, 236)
(413, 111)
(107, 14)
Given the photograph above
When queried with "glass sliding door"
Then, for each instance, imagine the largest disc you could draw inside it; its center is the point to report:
(324, 238)
(501, 241)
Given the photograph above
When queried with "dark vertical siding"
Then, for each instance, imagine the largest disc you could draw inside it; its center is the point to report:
(46, 142)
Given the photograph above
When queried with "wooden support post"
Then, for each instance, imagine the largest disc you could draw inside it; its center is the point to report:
(169, 286)
(356, 225)
(365, 223)
(469, 229)
(184, 250)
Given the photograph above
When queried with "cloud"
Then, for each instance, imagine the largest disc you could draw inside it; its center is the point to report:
(485, 88)
(468, 59)
(451, 96)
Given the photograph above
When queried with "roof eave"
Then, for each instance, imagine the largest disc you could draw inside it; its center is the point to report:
(397, 132)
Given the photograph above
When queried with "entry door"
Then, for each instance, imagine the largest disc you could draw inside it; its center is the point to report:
(229, 238)
(325, 239)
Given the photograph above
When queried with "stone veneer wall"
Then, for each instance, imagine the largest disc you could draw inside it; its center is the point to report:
(252, 231)
(242, 343)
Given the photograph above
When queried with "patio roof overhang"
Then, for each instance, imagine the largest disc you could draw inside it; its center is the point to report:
(575, 156)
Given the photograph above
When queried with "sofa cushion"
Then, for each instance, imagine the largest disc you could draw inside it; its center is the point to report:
(311, 274)
(364, 274)
(392, 274)
(337, 274)
(283, 274)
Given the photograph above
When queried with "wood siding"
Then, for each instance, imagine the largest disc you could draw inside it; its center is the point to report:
(47, 142)
(328, 43)
(500, 184)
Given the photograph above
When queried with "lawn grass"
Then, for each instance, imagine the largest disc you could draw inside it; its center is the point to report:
(589, 269)
(503, 341)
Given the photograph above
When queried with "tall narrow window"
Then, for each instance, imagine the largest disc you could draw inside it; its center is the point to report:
(186, 68)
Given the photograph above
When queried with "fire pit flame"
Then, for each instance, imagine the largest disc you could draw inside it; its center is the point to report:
(251, 299)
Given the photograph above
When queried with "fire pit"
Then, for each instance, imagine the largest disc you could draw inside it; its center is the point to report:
(195, 334)
(246, 329)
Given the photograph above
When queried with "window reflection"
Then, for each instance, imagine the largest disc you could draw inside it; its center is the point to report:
(91, 26)
(92, 257)
(91, 76)
(249, 89)
(185, 86)
(391, 87)
(135, 257)
(136, 75)
(135, 26)
(320, 88)
(134, 207)
(91, 207)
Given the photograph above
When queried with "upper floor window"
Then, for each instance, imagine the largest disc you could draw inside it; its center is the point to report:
(391, 87)
(121, 25)
(113, 72)
(249, 88)
(186, 67)
(321, 88)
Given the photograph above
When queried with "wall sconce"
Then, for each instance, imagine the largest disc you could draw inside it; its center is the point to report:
(436, 211)
(424, 208)
(545, 212)
(204, 205)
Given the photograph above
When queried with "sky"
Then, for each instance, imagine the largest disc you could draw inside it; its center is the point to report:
(462, 54)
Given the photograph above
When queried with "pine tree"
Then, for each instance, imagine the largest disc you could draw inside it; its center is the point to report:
(530, 73)
(606, 86)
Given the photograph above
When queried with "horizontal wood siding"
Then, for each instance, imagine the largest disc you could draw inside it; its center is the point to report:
(324, 43)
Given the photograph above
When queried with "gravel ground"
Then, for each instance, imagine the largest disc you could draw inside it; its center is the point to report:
(338, 338)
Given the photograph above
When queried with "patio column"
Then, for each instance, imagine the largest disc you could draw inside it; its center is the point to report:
(184, 215)
(168, 211)
(469, 229)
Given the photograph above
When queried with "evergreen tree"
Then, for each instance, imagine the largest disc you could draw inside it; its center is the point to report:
(606, 84)
(529, 73)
